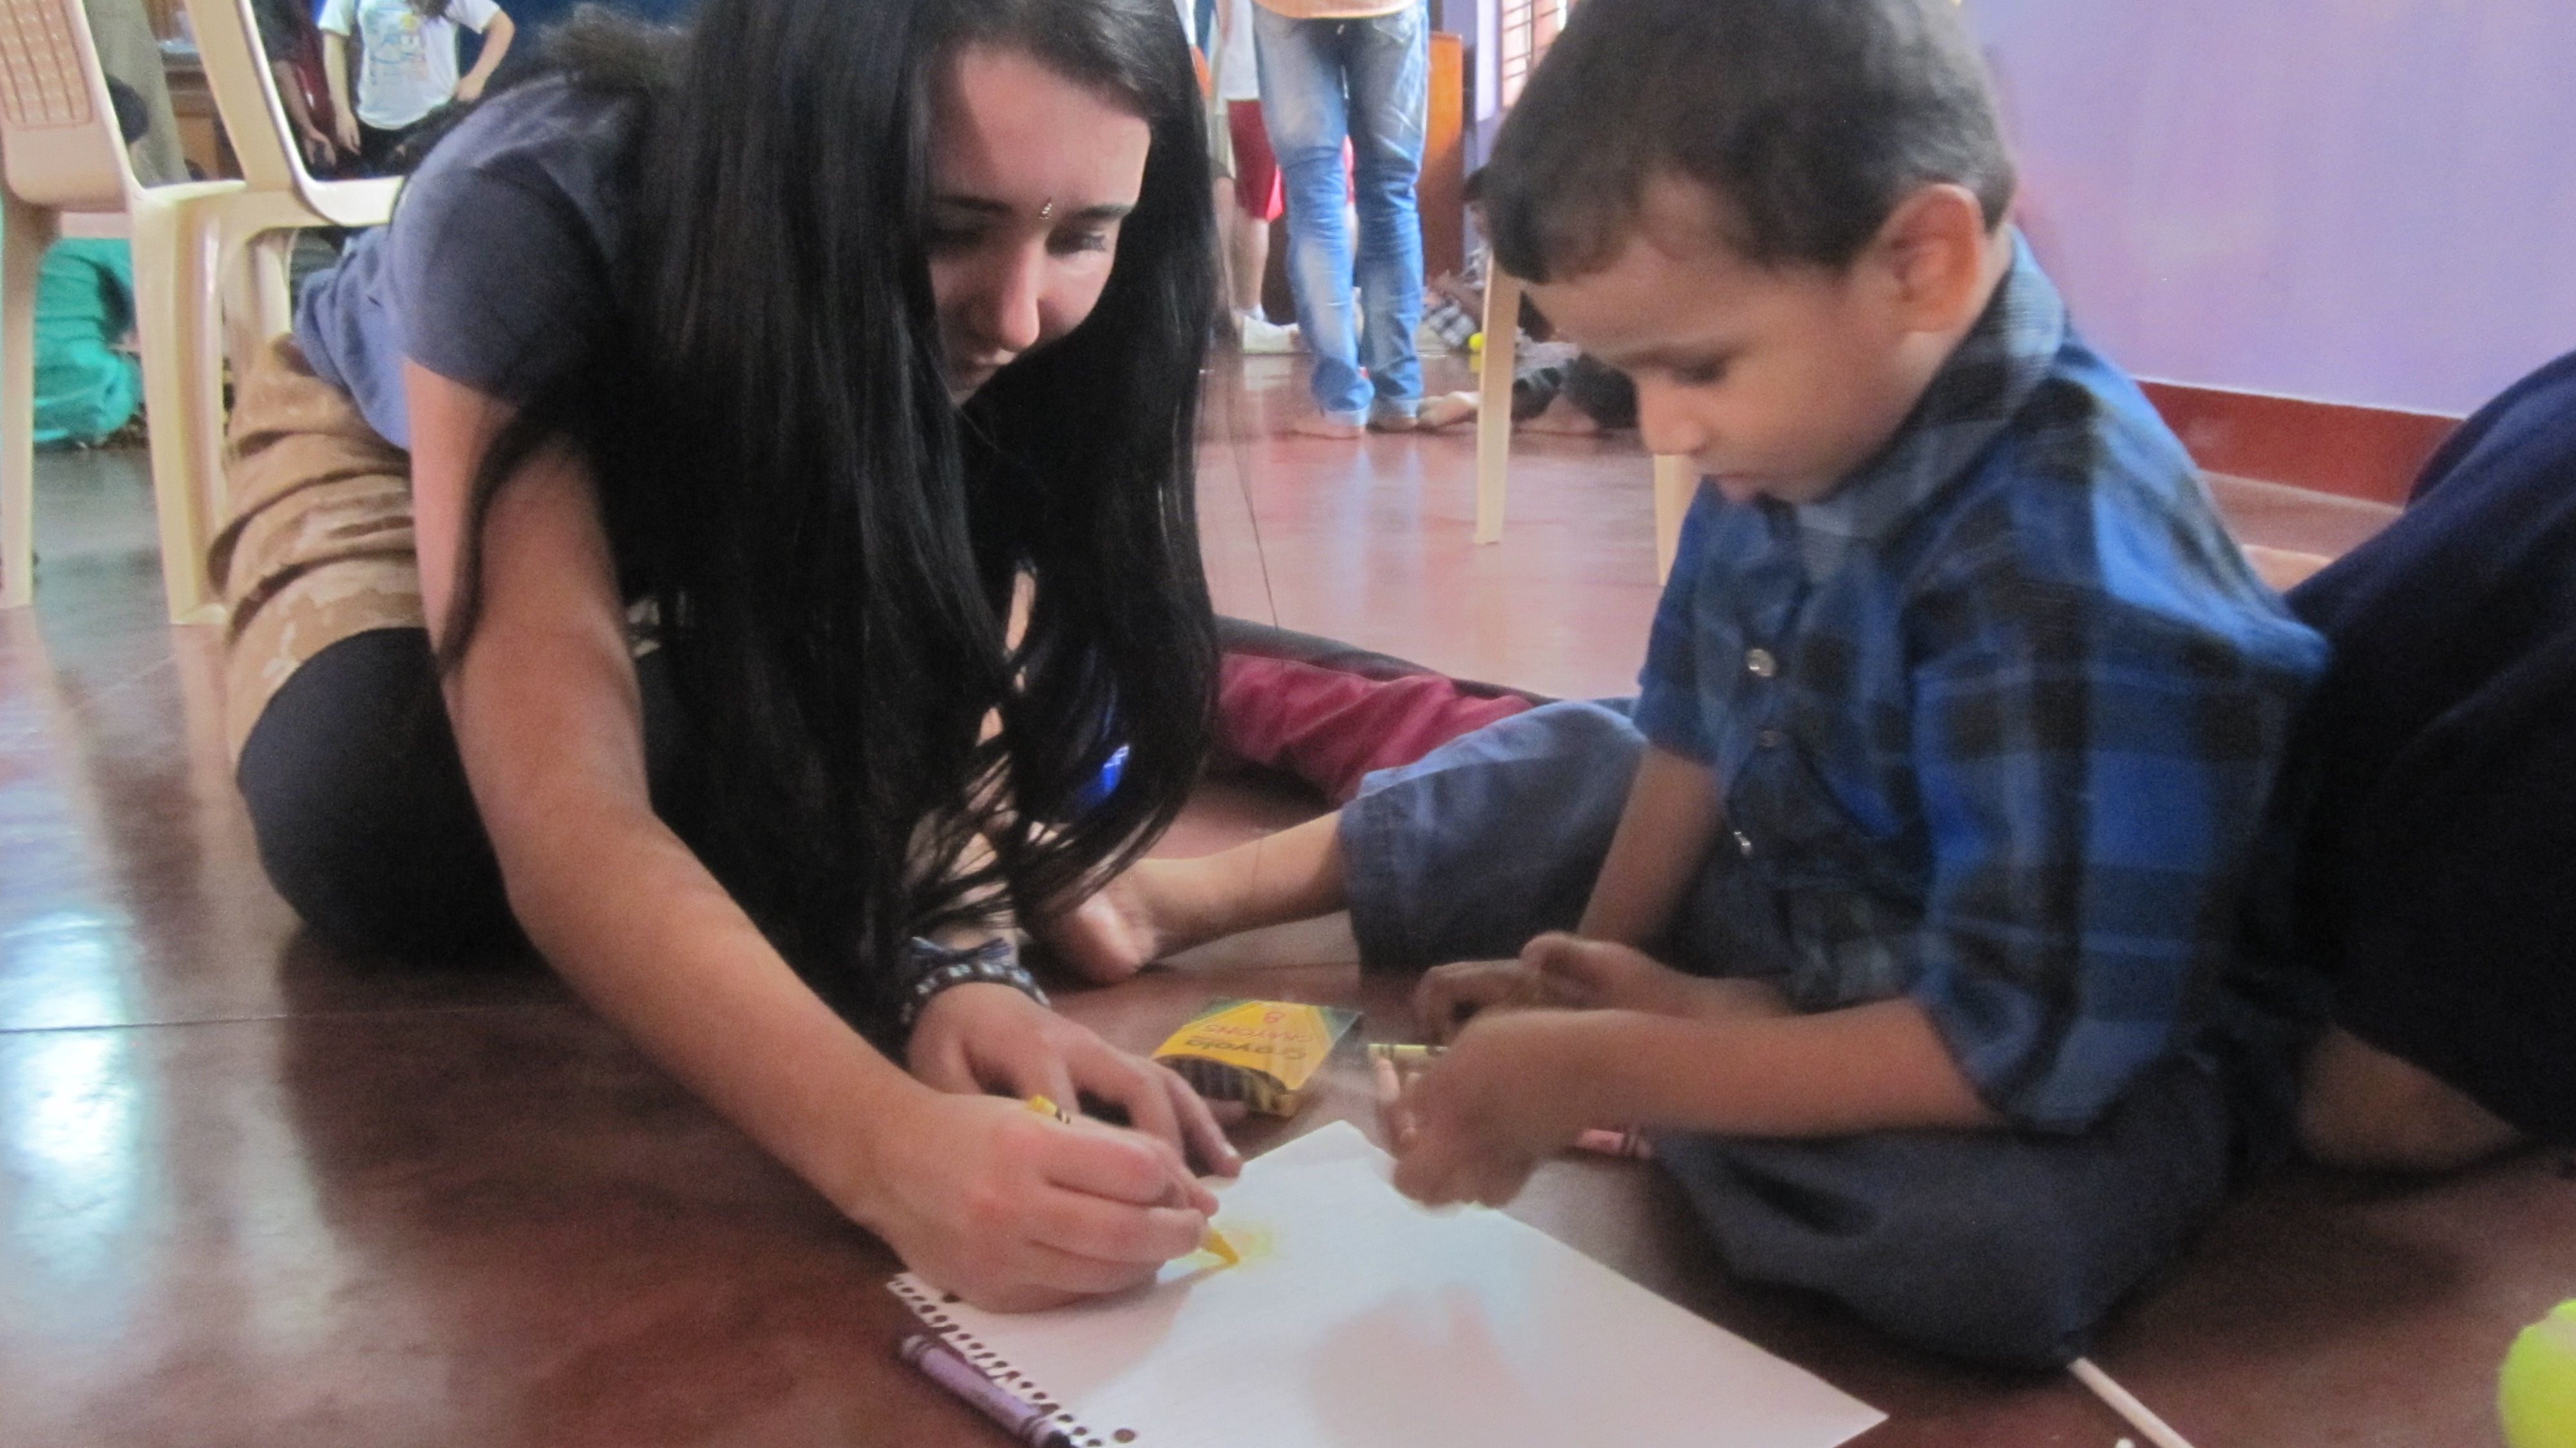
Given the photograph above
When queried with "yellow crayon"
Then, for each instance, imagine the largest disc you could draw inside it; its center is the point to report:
(1406, 1054)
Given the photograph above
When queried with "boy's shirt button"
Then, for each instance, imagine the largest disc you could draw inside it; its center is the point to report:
(1743, 843)
(1767, 739)
(1759, 663)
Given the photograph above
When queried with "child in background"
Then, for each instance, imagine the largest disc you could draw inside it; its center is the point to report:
(1249, 198)
(88, 380)
(292, 45)
(1904, 898)
(409, 67)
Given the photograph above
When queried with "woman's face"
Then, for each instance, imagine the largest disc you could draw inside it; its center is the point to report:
(1030, 176)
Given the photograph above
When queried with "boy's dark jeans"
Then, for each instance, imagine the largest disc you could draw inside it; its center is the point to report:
(2007, 1247)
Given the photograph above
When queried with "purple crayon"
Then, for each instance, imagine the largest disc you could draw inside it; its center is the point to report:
(1023, 1420)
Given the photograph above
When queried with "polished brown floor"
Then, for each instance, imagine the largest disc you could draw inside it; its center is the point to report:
(255, 1192)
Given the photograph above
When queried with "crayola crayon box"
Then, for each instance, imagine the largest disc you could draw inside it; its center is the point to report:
(1261, 1053)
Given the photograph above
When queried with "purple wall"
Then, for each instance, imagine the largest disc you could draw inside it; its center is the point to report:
(2364, 201)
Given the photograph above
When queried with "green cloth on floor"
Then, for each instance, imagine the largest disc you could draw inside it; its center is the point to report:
(85, 388)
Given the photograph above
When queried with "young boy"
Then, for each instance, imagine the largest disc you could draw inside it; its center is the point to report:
(1957, 721)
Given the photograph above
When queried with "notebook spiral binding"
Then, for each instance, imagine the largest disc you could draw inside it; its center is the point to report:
(931, 1307)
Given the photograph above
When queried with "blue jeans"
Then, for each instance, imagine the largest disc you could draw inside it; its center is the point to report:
(1367, 82)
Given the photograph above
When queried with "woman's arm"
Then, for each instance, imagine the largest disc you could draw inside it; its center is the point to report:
(999, 1205)
(335, 70)
(496, 44)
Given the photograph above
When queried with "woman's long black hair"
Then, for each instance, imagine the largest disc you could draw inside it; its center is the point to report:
(828, 544)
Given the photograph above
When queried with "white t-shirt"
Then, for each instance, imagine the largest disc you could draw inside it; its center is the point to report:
(406, 64)
(1238, 76)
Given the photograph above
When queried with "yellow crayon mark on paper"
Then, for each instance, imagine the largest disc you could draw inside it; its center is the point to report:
(1252, 1243)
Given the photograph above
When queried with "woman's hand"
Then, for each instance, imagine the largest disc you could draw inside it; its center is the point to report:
(1512, 1091)
(990, 1038)
(1015, 1211)
(345, 125)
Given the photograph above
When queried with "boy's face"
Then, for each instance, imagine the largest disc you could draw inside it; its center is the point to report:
(1775, 382)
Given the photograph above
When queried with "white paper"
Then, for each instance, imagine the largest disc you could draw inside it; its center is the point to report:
(1359, 1320)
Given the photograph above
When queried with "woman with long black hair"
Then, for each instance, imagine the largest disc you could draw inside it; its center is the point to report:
(696, 425)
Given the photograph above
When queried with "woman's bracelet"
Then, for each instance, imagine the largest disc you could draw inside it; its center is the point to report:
(930, 968)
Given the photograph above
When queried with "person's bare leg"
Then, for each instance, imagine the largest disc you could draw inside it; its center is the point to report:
(2366, 1109)
(1250, 247)
(1159, 908)
(1229, 222)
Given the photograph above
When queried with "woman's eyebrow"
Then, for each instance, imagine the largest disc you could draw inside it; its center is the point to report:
(1106, 211)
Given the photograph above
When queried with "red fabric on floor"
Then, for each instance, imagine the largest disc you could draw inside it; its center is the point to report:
(1329, 728)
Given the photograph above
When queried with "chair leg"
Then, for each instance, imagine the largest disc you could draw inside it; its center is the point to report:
(257, 305)
(175, 315)
(1676, 483)
(25, 233)
(1494, 409)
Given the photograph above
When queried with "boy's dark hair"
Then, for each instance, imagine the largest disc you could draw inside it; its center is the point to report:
(1811, 119)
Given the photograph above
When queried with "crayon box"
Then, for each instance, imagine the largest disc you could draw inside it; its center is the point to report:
(1261, 1053)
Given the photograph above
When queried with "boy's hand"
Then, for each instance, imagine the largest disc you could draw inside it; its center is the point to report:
(1449, 995)
(1511, 1092)
(978, 1038)
(1571, 973)
(1603, 975)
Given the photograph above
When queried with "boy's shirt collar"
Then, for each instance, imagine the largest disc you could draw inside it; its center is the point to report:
(1982, 383)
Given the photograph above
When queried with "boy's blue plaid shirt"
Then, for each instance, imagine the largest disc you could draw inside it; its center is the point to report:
(1995, 723)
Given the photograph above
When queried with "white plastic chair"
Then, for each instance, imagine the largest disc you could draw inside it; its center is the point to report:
(61, 156)
(1676, 481)
(280, 194)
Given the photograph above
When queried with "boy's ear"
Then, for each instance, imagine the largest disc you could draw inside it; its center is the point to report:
(1934, 254)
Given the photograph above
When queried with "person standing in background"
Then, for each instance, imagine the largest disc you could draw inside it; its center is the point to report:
(292, 46)
(1248, 192)
(408, 70)
(1355, 72)
(127, 51)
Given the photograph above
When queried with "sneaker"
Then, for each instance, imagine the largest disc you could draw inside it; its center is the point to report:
(1263, 337)
(1388, 415)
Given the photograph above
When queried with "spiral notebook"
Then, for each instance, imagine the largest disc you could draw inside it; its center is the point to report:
(1359, 1320)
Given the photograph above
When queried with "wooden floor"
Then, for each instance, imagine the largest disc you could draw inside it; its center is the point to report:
(255, 1192)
